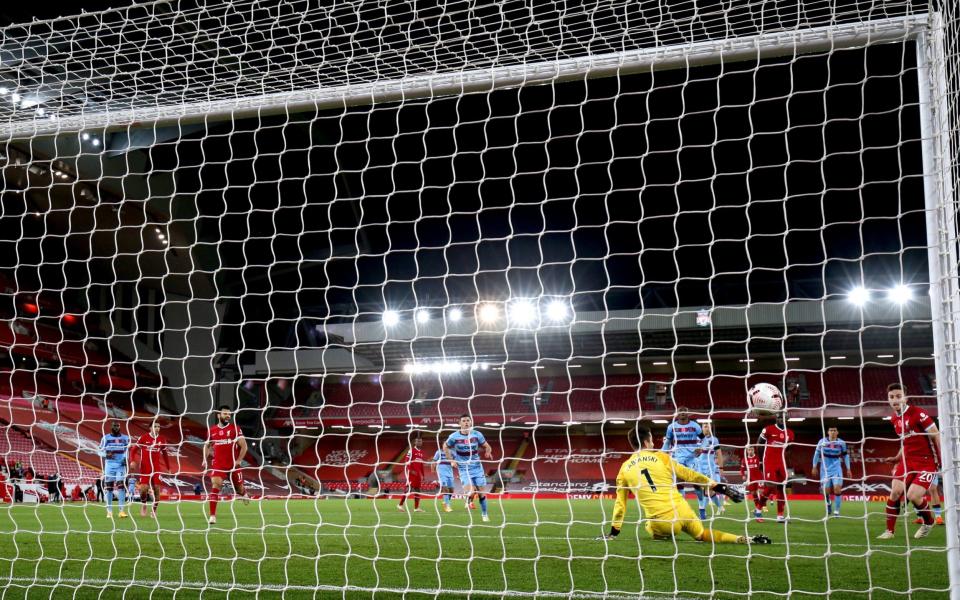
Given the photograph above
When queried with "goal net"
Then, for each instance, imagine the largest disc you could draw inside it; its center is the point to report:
(367, 299)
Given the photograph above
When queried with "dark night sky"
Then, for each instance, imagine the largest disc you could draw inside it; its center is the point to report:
(680, 188)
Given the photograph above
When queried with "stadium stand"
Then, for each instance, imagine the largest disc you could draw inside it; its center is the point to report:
(491, 398)
(341, 458)
(75, 428)
(19, 447)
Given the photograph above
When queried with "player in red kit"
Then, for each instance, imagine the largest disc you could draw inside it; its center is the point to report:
(753, 479)
(775, 439)
(413, 470)
(147, 453)
(225, 437)
(917, 463)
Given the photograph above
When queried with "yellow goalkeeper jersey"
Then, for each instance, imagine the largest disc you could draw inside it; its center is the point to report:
(652, 477)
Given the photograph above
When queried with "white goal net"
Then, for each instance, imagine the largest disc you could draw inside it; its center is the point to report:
(367, 300)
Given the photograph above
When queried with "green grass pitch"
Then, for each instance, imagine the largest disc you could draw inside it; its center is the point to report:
(363, 549)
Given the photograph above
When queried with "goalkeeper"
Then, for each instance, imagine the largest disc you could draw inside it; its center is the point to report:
(652, 477)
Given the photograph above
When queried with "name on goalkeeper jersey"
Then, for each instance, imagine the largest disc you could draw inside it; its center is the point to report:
(643, 458)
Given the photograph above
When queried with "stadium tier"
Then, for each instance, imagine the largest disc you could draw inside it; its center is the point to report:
(542, 460)
(74, 429)
(546, 460)
(19, 447)
(344, 457)
(77, 364)
(592, 398)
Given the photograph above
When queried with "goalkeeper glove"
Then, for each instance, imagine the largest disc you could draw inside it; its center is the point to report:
(729, 491)
(614, 532)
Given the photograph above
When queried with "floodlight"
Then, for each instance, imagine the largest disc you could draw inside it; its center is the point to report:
(489, 312)
(859, 295)
(900, 294)
(557, 310)
(522, 312)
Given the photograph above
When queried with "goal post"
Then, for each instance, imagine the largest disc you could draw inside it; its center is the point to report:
(939, 166)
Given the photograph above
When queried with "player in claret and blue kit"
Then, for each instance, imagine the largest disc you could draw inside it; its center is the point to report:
(827, 458)
(682, 441)
(709, 459)
(444, 467)
(463, 446)
(113, 450)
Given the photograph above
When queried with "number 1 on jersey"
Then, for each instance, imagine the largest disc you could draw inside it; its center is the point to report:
(646, 474)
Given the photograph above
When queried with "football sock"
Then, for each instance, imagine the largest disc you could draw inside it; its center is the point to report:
(923, 509)
(893, 511)
(712, 535)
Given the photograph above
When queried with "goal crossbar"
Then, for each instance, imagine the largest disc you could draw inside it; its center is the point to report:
(757, 47)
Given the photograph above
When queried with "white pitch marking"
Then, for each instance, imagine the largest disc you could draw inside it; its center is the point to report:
(269, 587)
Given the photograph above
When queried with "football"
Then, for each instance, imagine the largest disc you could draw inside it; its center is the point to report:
(765, 399)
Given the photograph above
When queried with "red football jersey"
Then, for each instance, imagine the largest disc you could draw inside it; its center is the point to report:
(150, 450)
(776, 441)
(912, 427)
(750, 468)
(414, 461)
(224, 441)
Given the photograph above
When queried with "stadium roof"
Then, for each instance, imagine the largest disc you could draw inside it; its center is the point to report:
(766, 333)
